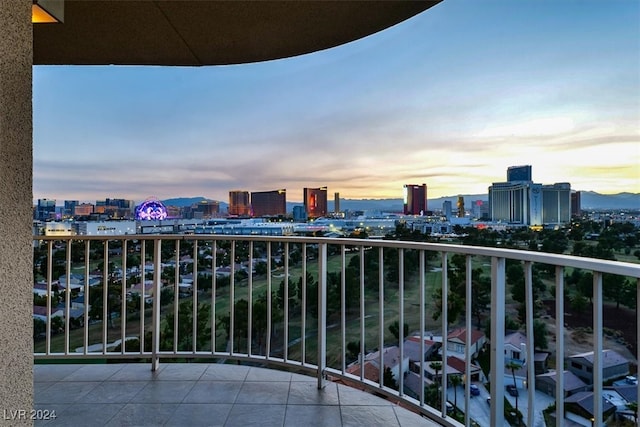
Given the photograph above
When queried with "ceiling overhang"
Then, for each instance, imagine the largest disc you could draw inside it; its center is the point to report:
(197, 32)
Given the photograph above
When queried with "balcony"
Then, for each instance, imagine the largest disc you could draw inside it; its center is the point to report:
(317, 309)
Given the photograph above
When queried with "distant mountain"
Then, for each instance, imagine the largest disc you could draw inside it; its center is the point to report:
(593, 200)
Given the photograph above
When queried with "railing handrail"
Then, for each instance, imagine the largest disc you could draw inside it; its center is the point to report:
(595, 264)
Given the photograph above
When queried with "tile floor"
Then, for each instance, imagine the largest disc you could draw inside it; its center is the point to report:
(201, 394)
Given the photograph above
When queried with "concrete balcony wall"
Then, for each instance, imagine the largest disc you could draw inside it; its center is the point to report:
(16, 345)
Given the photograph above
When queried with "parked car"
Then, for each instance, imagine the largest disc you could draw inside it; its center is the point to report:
(474, 389)
(631, 380)
(489, 400)
(512, 390)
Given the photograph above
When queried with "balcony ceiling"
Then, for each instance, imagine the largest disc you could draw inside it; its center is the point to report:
(196, 32)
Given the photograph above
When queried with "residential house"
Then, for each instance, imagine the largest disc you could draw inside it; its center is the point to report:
(40, 312)
(413, 352)
(459, 366)
(629, 395)
(456, 341)
(515, 347)
(78, 302)
(391, 360)
(579, 408)
(371, 371)
(614, 365)
(546, 383)
(412, 385)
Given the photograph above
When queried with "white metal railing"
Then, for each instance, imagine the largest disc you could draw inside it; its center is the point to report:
(291, 325)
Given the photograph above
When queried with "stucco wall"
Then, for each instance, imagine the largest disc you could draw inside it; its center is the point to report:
(16, 253)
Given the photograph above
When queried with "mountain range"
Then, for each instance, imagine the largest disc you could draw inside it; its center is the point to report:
(589, 200)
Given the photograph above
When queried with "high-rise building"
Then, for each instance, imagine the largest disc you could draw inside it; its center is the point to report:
(69, 208)
(206, 209)
(519, 173)
(460, 206)
(315, 202)
(299, 214)
(556, 203)
(336, 202)
(269, 203)
(83, 209)
(115, 208)
(46, 209)
(521, 201)
(480, 209)
(447, 209)
(516, 203)
(415, 199)
(576, 204)
(239, 204)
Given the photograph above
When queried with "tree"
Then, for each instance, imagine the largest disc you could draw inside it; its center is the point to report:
(114, 298)
(514, 366)
(388, 379)
(39, 327)
(539, 335)
(394, 328)
(436, 366)
(633, 407)
(185, 327)
(353, 350)
(456, 380)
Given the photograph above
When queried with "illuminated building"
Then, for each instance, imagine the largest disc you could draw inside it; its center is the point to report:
(269, 203)
(415, 199)
(460, 206)
(83, 209)
(239, 204)
(69, 208)
(151, 209)
(315, 202)
(114, 208)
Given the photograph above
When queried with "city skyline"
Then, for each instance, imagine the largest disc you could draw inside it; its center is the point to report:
(451, 98)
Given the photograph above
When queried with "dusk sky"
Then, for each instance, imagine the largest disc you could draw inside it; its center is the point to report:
(450, 98)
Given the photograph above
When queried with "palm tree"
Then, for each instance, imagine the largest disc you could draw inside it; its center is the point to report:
(633, 407)
(456, 380)
(436, 366)
(514, 366)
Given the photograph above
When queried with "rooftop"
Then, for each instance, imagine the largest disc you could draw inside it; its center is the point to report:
(609, 358)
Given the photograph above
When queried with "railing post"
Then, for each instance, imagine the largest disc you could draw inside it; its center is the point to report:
(322, 312)
(597, 349)
(467, 348)
(444, 315)
(155, 340)
(559, 346)
(497, 340)
(531, 376)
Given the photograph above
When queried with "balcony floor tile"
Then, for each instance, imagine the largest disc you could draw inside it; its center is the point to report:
(201, 394)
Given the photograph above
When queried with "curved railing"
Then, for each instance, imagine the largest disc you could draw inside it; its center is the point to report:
(316, 305)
